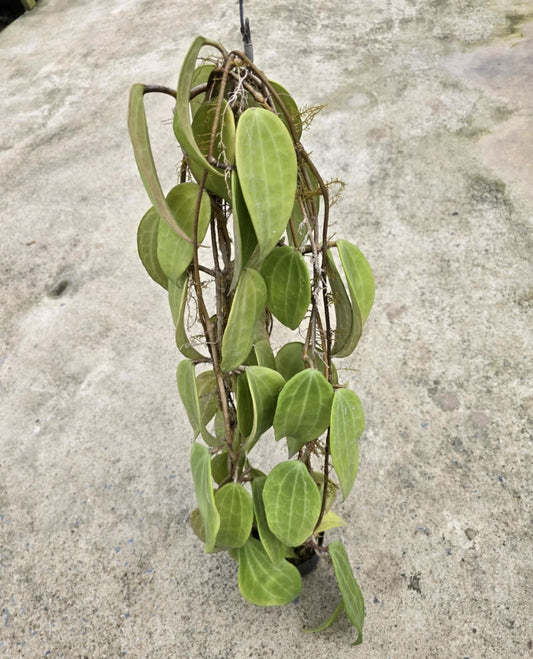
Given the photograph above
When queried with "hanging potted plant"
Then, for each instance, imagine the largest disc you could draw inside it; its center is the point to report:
(241, 245)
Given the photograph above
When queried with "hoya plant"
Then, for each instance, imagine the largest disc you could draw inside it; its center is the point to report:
(262, 299)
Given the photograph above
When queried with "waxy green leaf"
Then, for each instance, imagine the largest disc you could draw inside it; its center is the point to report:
(304, 406)
(203, 485)
(264, 583)
(290, 106)
(273, 547)
(266, 166)
(248, 305)
(358, 275)
(348, 323)
(292, 502)
(347, 424)
(289, 361)
(189, 397)
(147, 246)
(223, 147)
(140, 140)
(264, 385)
(207, 389)
(330, 521)
(200, 76)
(173, 253)
(236, 510)
(289, 289)
(182, 119)
(243, 230)
(177, 297)
(350, 591)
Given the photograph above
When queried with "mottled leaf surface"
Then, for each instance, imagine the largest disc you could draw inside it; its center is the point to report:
(266, 166)
(292, 502)
(304, 406)
(173, 253)
(235, 508)
(273, 546)
(350, 591)
(203, 485)
(289, 289)
(147, 246)
(264, 583)
(347, 424)
(248, 305)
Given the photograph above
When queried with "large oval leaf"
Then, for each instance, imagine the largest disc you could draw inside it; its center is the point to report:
(248, 306)
(203, 485)
(358, 275)
(351, 593)
(182, 120)
(304, 406)
(347, 424)
(236, 510)
(264, 583)
(292, 502)
(273, 546)
(289, 289)
(147, 246)
(266, 165)
(289, 361)
(173, 253)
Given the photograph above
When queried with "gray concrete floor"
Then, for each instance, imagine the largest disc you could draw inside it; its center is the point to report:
(429, 124)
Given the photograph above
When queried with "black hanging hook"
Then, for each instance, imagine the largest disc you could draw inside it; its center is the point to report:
(246, 34)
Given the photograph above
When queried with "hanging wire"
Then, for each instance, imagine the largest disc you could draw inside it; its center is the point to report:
(246, 34)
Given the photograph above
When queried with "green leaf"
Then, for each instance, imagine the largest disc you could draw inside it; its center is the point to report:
(140, 140)
(177, 296)
(273, 547)
(290, 106)
(236, 510)
(304, 406)
(289, 289)
(243, 230)
(203, 485)
(264, 385)
(207, 389)
(348, 323)
(266, 165)
(289, 361)
(200, 76)
(223, 148)
(330, 521)
(189, 397)
(329, 621)
(347, 424)
(182, 120)
(264, 583)
(264, 354)
(219, 467)
(173, 253)
(248, 305)
(358, 275)
(350, 591)
(147, 246)
(292, 502)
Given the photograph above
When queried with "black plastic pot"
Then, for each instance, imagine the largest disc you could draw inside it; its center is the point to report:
(310, 563)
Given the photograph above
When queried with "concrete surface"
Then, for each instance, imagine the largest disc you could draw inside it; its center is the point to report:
(429, 124)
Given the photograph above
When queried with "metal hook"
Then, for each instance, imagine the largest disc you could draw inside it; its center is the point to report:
(246, 34)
